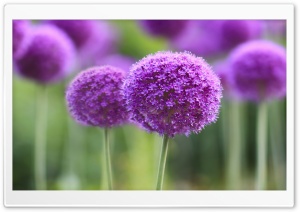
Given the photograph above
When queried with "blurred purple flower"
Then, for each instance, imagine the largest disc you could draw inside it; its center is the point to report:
(21, 37)
(199, 37)
(210, 38)
(49, 56)
(117, 60)
(173, 93)
(258, 71)
(92, 38)
(163, 28)
(235, 32)
(95, 97)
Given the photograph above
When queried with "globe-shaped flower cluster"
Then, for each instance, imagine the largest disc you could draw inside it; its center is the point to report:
(258, 71)
(173, 93)
(49, 56)
(95, 97)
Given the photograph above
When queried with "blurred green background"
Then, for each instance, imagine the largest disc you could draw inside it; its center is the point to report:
(197, 162)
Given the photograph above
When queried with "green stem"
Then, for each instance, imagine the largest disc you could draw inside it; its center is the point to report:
(261, 177)
(277, 149)
(40, 139)
(225, 128)
(234, 148)
(162, 163)
(72, 155)
(107, 158)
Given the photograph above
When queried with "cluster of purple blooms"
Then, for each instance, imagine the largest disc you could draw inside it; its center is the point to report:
(47, 52)
(42, 65)
(169, 93)
(173, 93)
(210, 38)
(95, 97)
(254, 71)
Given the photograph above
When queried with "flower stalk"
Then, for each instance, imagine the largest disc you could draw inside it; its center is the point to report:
(40, 139)
(107, 158)
(162, 162)
(261, 177)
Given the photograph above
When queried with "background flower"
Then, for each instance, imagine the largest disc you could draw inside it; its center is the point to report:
(258, 71)
(49, 56)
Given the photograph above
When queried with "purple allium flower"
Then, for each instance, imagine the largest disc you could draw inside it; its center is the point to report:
(49, 56)
(95, 97)
(258, 70)
(235, 32)
(117, 60)
(164, 28)
(173, 93)
(21, 37)
(199, 37)
(92, 38)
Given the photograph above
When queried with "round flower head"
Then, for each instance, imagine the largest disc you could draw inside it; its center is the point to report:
(117, 60)
(173, 93)
(163, 28)
(21, 35)
(92, 38)
(235, 32)
(49, 56)
(258, 70)
(95, 97)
